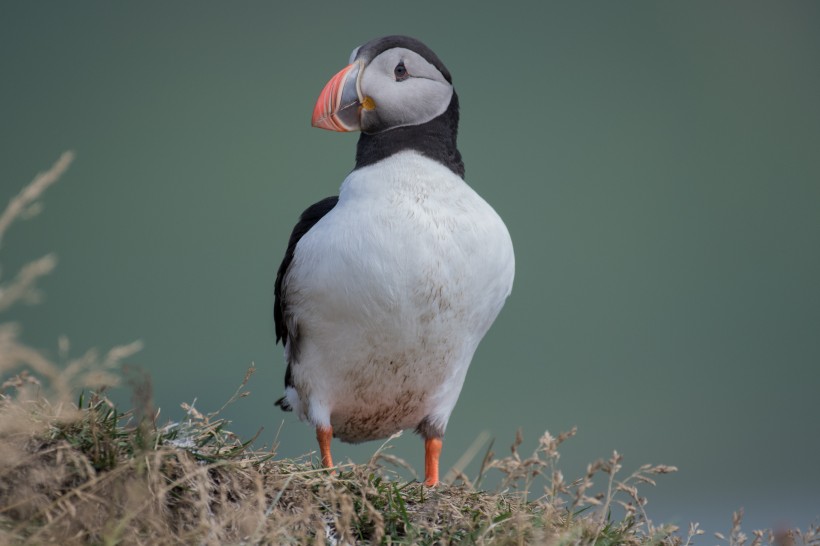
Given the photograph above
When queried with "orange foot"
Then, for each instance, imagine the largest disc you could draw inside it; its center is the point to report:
(324, 435)
(432, 451)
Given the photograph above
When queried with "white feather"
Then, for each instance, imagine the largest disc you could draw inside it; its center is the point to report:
(391, 293)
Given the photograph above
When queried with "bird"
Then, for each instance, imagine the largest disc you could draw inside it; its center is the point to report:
(386, 290)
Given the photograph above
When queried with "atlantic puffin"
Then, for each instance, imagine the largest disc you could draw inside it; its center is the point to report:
(386, 290)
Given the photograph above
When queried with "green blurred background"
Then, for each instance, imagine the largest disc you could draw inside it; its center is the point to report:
(657, 164)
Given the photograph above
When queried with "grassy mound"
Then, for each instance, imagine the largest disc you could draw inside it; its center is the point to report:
(89, 474)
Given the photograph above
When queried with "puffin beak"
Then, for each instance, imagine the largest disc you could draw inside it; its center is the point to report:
(339, 104)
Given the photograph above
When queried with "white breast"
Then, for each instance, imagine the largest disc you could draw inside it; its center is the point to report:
(391, 293)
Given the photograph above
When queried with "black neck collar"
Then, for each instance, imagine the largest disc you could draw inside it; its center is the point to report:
(435, 139)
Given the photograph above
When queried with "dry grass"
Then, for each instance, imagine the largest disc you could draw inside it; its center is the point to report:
(81, 472)
(89, 474)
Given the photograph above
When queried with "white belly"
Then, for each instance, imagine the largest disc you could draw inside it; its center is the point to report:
(391, 293)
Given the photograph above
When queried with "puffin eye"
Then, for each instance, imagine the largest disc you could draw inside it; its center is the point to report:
(400, 72)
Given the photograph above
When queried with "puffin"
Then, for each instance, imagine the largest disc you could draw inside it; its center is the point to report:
(386, 290)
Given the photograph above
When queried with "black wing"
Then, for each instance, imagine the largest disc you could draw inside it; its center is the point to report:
(307, 220)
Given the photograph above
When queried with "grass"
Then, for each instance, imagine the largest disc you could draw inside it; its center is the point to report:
(74, 469)
(89, 474)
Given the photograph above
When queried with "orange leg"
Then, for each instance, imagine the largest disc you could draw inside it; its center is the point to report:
(432, 451)
(324, 435)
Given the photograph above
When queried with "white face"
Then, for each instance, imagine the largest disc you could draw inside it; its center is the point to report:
(411, 95)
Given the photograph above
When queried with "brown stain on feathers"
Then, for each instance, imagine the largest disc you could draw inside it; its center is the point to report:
(371, 422)
(368, 416)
